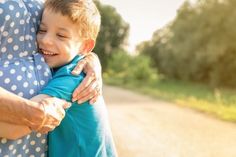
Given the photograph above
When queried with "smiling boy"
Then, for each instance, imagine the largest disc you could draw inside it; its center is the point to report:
(68, 31)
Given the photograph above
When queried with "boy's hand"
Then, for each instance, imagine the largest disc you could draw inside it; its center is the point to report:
(91, 86)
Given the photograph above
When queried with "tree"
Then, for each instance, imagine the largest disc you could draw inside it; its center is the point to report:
(113, 33)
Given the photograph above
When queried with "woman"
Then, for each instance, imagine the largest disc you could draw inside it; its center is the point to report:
(24, 72)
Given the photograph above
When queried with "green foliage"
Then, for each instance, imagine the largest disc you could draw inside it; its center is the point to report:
(113, 33)
(198, 45)
(126, 68)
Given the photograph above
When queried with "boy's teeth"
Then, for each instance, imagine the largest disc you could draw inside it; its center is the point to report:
(48, 53)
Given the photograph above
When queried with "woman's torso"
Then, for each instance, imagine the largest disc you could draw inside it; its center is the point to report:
(22, 70)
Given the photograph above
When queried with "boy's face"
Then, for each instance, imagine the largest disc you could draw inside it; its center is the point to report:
(57, 39)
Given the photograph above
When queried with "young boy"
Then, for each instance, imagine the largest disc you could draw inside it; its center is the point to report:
(68, 30)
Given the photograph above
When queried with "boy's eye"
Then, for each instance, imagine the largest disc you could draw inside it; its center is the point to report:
(62, 36)
(42, 31)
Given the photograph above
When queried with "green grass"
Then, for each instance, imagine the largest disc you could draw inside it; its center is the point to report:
(220, 103)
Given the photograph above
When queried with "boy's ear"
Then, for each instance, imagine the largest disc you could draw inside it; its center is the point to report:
(87, 46)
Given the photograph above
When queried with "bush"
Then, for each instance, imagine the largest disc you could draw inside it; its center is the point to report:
(129, 69)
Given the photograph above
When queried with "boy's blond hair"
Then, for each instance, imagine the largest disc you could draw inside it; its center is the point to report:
(83, 13)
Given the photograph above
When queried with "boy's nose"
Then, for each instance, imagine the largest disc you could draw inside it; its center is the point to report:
(46, 39)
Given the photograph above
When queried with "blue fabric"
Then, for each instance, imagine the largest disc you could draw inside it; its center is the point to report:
(22, 70)
(85, 131)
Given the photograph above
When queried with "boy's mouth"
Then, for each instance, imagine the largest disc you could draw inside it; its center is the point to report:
(46, 52)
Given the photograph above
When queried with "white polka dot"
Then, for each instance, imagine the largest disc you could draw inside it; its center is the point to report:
(5, 65)
(17, 63)
(29, 75)
(19, 77)
(3, 140)
(31, 67)
(31, 91)
(42, 82)
(22, 22)
(32, 30)
(26, 151)
(24, 146)
(31, 156)
(6, 156)
(5, 33)
(43, 141)
(19, 155)
(38, 135)
(25, 84)
(23, 69)
(42, 59)
(4, 49)
(12, 24)
(13, 88)
(11, 147)
(14, 151)
(35, 83)
(7, 17)
(28, 136)
(16, 31)
(17, 14)
(36, 13)
(0, 150)
(1, 29)
(7, 62)
(1, 73)
(1, 10)
(25, 53)
(12, 71)
(10, 40)
(19, 141)
(10, 56)
(7, 80)
(39, 67)
(11, 7)
(42, 155)
(38, 149)
(15, 47)
(34, 20)
(20, 94)
(22, 38)
(45, 74)
(32, 143)
(30, 5)
(27, 37)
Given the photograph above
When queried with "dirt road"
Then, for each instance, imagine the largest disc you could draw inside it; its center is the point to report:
(145, 127)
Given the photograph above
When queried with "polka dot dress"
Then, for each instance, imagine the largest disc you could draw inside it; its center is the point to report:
(22, 70)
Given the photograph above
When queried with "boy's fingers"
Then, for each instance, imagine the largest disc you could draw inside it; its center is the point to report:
(79, 67)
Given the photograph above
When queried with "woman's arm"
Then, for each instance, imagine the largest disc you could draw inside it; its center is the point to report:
(40, 116)
(14, 131)
(91, 86)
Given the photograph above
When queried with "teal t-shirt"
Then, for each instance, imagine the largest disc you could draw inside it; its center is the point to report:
(85, 131)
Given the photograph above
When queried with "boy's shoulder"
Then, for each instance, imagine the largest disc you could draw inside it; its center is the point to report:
(68, 68)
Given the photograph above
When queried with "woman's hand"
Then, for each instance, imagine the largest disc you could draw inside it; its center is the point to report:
(91, 86)
(53, 113)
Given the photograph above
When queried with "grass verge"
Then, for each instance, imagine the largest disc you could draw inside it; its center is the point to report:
(220, 103)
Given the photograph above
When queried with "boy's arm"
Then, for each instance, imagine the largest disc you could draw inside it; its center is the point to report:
(14, 131)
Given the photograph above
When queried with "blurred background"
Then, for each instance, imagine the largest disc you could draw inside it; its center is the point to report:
(169, 69)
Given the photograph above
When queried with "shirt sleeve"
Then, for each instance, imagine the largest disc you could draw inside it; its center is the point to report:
(62, 86)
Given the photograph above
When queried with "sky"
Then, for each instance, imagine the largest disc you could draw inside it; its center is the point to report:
(144, 16)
